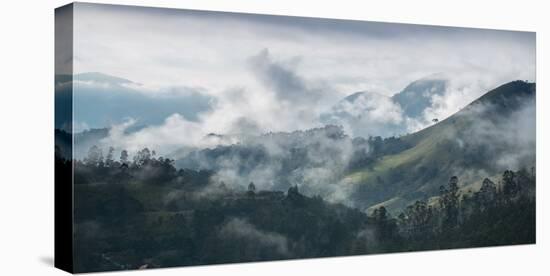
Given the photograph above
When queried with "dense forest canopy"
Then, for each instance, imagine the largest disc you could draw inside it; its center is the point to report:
(144, 211)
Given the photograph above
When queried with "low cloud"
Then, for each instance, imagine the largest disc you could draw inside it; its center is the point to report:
(367, 114)
(315, 160)
(509, 141)
(175, 132)
(255, 239)
(283, 80)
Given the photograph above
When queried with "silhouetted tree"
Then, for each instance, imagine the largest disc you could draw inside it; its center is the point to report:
(95, 156)
(142, 157)
(486, 196)
(449, 201)
(124, 157)
(109, 158)
(380, 213)
(510, 186)
(251, 188)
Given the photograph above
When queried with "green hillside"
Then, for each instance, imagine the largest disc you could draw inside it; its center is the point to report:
(474, 143)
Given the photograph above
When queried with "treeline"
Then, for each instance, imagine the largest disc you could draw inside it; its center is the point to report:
(127, 216)
(500, 213)
(143, 212)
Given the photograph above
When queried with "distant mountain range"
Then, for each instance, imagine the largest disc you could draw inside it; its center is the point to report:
(104, 100)
(368, 113)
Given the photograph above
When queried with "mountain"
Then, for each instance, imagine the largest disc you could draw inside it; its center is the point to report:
(104, 100)
(367, 113)
(417, 96)
(493, 133)
(102, 78)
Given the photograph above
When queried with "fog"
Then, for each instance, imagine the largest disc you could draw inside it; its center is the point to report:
(269, 73)
(187, 82)
(254, 238)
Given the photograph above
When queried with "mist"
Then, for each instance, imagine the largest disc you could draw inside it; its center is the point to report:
(258, 98)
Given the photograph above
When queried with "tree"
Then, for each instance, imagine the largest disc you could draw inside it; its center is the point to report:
(386, 227)
(417, 217)
(523, 181)
(294, 195)
(380, 214)
(510, 186)
(95, 156)
(124, 157)
(293, 191)
(109, 158)
(486, 196)
(251, 188)
(142, 157)
(449, 200)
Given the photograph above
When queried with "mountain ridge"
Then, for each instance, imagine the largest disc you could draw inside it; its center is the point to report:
(448, 146)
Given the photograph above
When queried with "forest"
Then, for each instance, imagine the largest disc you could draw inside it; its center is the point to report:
(143, 212)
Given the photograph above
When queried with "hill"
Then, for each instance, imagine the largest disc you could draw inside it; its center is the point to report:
(493, 133)
(180, 217)
(146, 213)
(416, 97)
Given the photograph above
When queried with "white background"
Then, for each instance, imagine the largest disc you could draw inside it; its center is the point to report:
(26, 145)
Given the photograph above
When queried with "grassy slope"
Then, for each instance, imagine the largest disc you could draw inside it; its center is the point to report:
(417, 172)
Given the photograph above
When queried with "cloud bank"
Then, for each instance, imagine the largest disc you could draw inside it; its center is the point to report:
(238, 75)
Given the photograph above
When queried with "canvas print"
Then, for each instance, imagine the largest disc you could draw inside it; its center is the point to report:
(190, 137)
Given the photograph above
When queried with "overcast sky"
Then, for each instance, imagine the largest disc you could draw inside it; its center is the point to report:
(279, 73)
